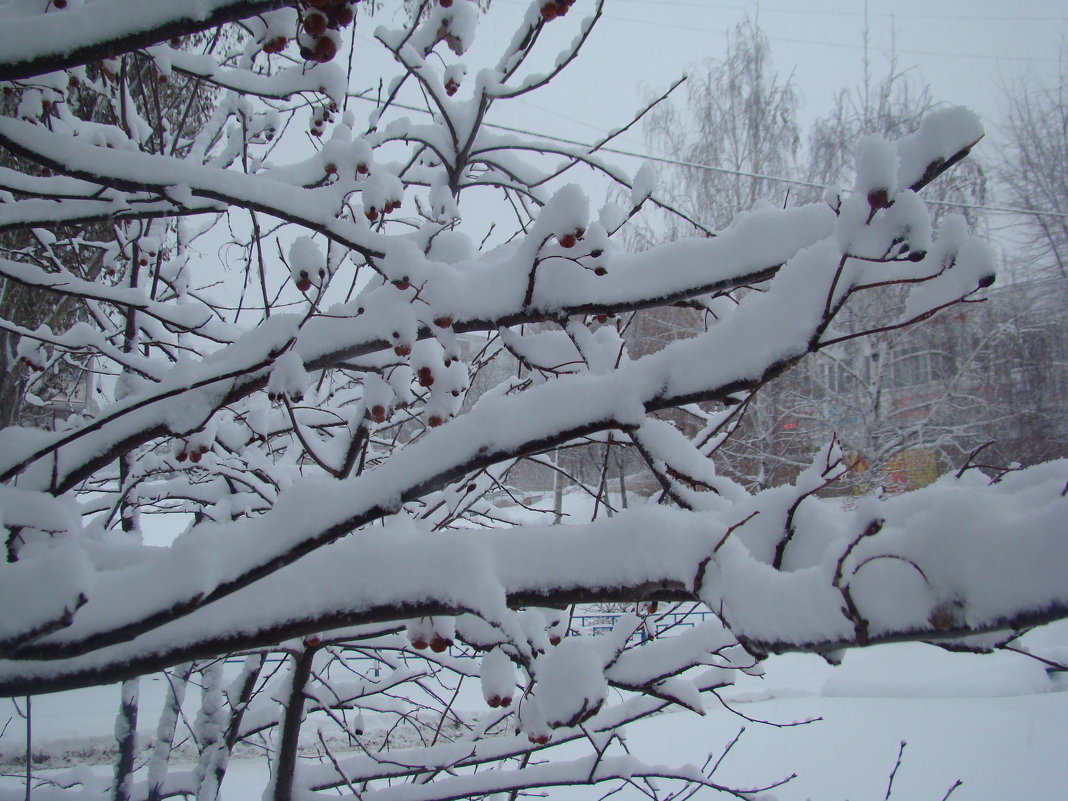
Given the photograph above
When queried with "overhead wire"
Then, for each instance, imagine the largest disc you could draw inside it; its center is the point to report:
(713, 168)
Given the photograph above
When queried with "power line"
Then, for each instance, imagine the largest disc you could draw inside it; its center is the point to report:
(871, 15)
(758, 176)
(825, 43)
(723, 170)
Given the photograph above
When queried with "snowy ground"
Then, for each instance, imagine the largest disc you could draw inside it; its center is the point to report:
(997, 723)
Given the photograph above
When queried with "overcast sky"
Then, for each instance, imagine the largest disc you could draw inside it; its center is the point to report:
(967, 50)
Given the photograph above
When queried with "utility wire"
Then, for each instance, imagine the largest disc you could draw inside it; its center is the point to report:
(827, 13)
(759, 176)
(723, 170)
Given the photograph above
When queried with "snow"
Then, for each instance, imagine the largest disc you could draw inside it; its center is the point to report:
(996, 723)
(315, 440)
(570, 682)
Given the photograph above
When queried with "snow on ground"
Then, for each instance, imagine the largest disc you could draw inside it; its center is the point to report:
(999, 723)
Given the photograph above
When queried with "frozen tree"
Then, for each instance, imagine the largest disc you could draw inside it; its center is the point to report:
(292, 316)
(739, 125)
(903, 395)
(735, 139)
(1036, 133)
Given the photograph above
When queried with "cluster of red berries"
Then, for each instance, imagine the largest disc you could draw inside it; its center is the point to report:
(304, 282)
(275, 397)
(36, 367)
(555, 8)
(371, 212)
(438, 644)
(451, 87)
(321, 117)
(499, 700)
(193, 453)
(324, 16)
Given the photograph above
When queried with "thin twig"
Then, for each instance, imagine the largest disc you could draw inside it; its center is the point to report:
(893, 773)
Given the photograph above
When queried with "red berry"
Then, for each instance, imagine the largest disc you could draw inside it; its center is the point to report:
(494, 700)
(313, 640)
(445, 3)
(330, 169)
(600, 271)
(554, 639)
(315, 23)
(403, 349)
(568, 241)
(59, 3)
(275, 45)
(549, 11)
(426, 377)
(439, 644)
(378, 413)
(195, 457)
(325, 49)
(361, 168)
(538, 739)
(506, 700)
(445, 321)
(435, 421)
(878, 199)
(371, 214)
(419, 644)
(182, 456)
(176, 41)
(402, 284)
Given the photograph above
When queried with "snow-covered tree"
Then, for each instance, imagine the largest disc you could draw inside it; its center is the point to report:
(300, 293)
(1036, 131)
(908, 394)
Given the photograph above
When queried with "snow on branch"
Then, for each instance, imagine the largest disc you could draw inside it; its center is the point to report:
(286, 323)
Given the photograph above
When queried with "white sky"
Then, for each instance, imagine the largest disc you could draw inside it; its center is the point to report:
(966, 49)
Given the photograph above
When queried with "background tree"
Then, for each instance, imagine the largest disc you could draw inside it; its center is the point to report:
(310, 416)
(1036, 135)
(739, 125)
